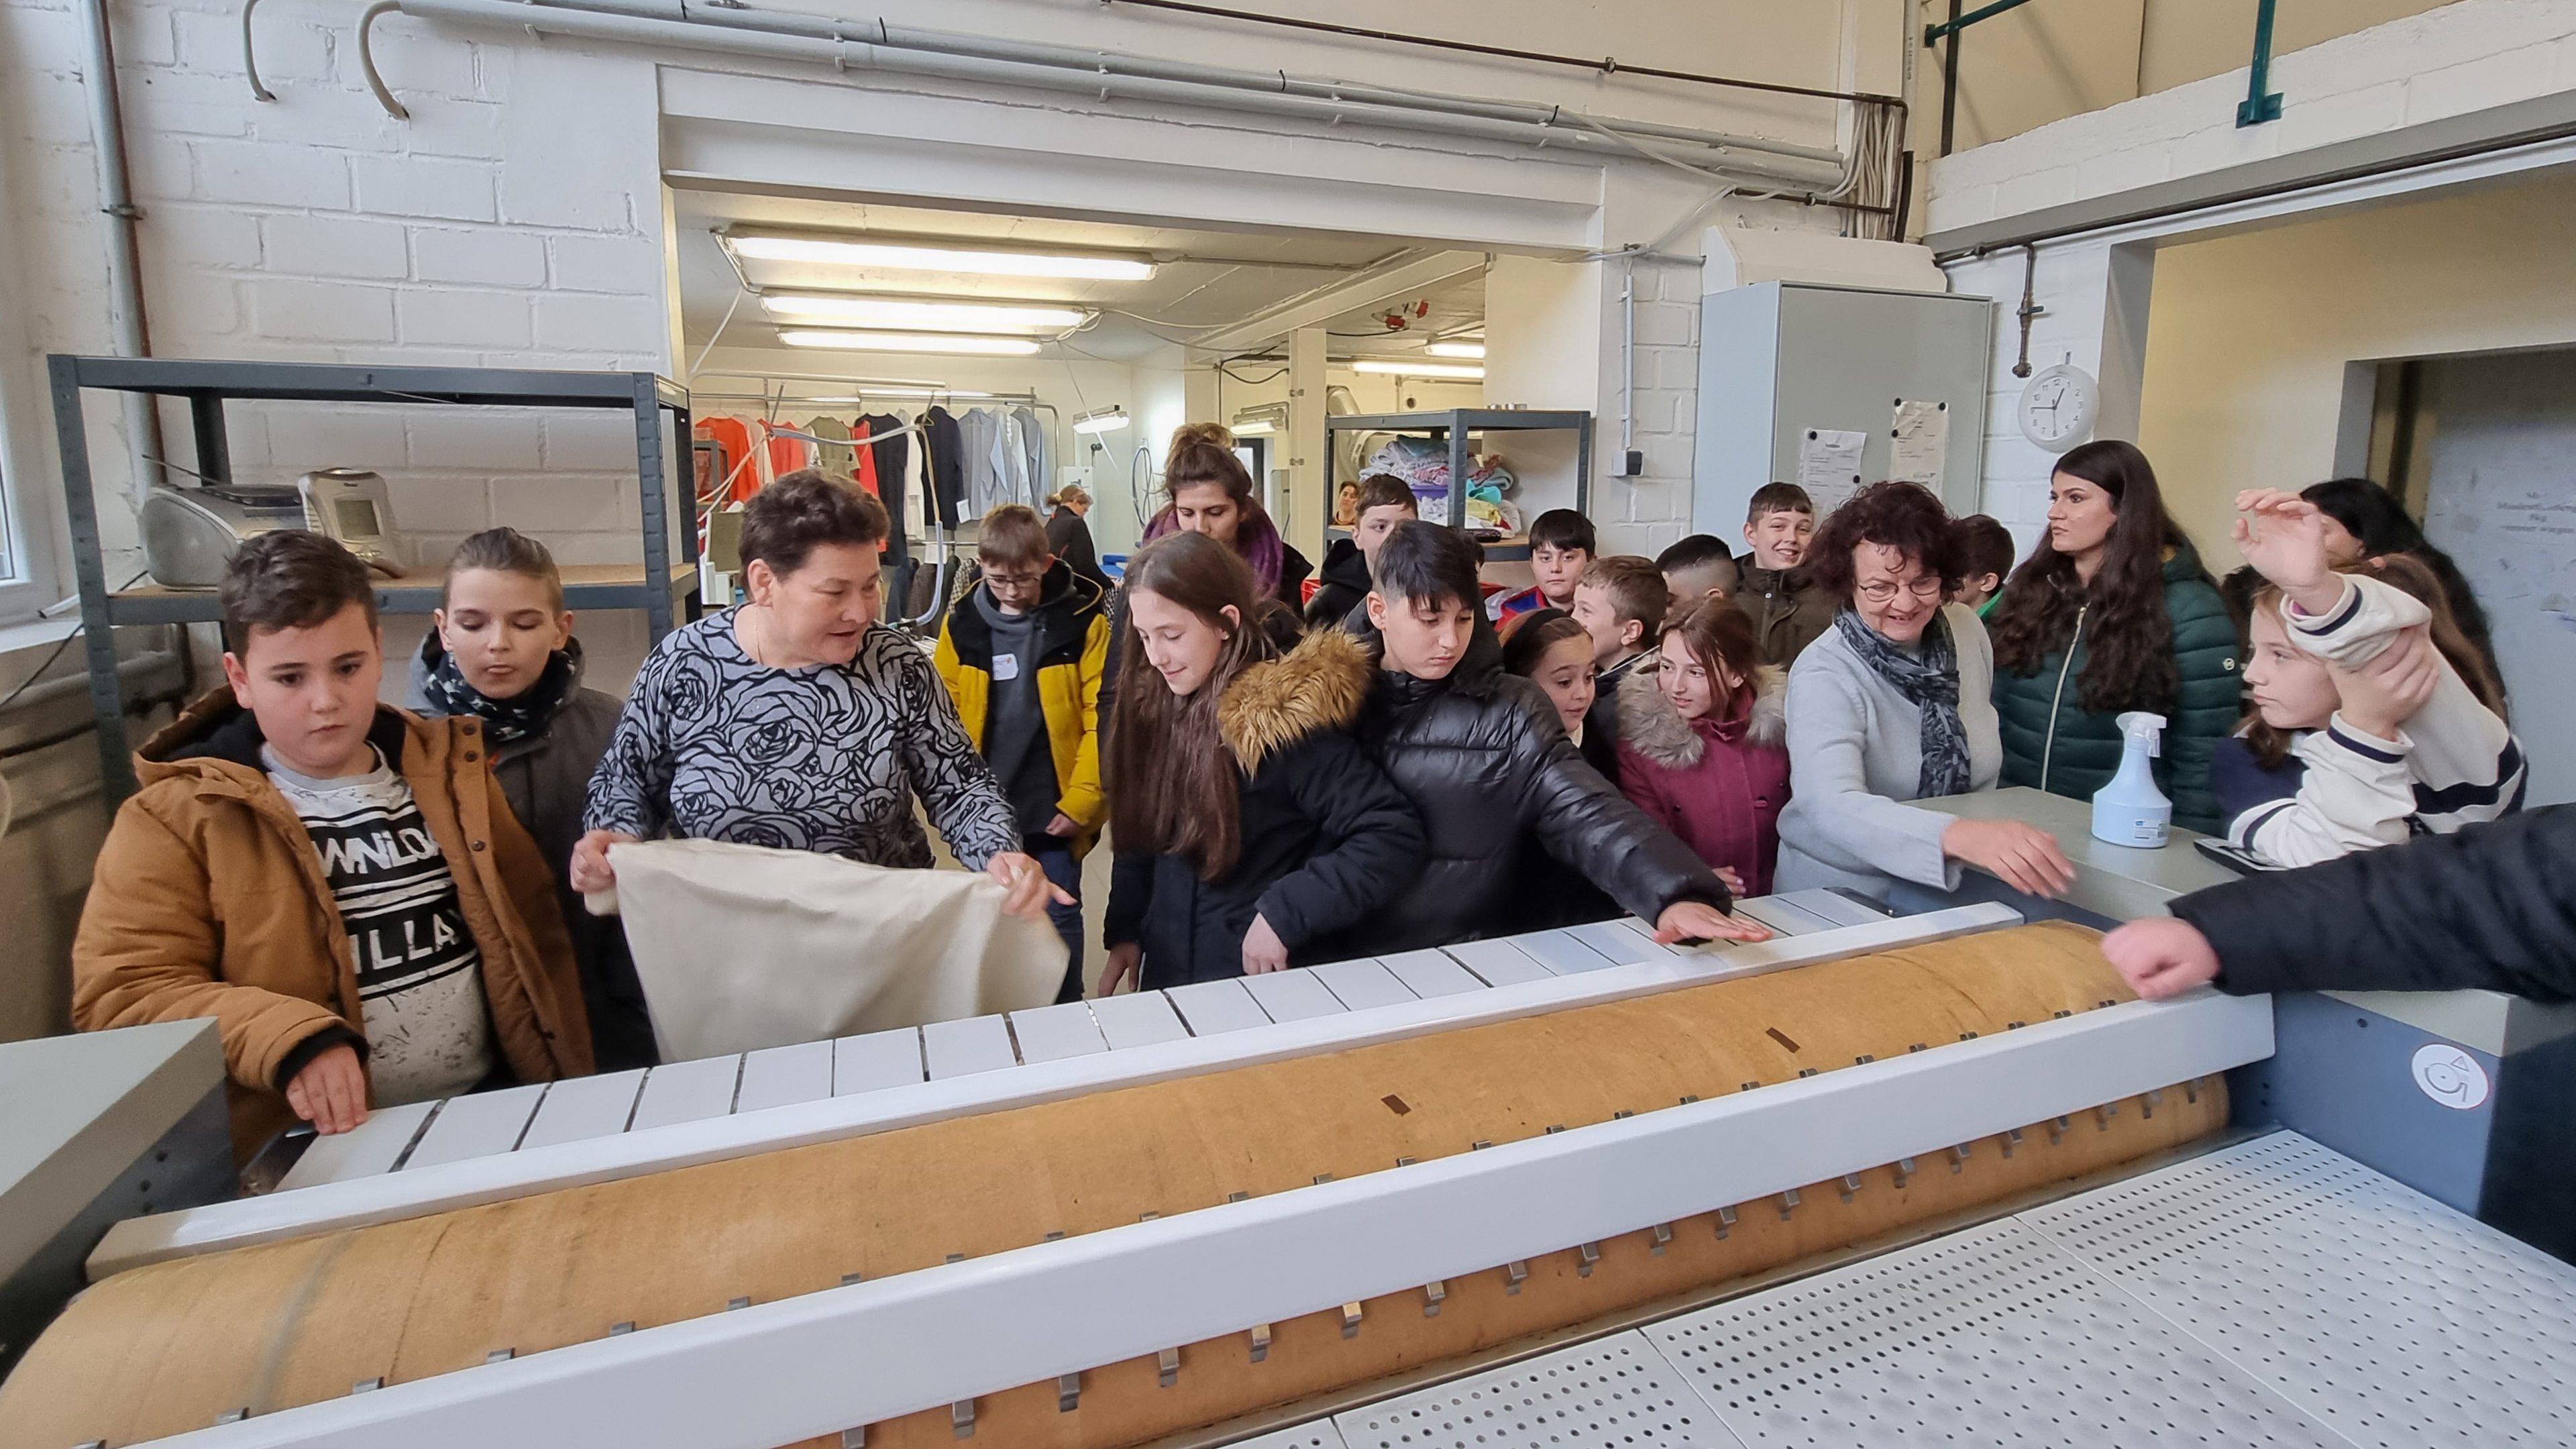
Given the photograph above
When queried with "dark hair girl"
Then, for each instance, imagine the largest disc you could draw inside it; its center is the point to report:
(1248, 824)
(1212, 493)
(2375, 524)
(2113, 612)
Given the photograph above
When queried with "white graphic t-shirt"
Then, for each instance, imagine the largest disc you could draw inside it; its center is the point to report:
(420, 978)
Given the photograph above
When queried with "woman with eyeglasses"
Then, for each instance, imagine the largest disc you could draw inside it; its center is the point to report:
(1892, 705)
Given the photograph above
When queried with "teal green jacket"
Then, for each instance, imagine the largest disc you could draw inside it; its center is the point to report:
(2051, 741)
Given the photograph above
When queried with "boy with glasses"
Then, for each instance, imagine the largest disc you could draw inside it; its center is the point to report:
(1022, 654)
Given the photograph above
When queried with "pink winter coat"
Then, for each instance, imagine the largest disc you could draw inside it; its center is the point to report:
(1719, 787)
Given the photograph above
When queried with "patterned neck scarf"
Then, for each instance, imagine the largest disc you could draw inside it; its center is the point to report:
(504, 720)
(1929, 680)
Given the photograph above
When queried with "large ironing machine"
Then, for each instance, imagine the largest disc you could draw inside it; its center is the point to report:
(1881, 1180)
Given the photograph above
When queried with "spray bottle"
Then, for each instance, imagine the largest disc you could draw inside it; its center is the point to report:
(2131, 810)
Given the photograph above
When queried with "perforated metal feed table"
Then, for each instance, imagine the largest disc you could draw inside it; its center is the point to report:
(2273, 1292)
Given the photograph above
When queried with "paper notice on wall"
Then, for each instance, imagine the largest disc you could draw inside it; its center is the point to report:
(1919, 441)
(1829, 466)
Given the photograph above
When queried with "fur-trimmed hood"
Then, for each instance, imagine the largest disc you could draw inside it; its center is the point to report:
(1276, 703)
(1650, 725)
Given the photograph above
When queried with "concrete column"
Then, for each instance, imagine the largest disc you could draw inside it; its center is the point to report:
(1307, 506)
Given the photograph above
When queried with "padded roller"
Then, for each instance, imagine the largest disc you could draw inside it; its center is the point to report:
(171, 1347)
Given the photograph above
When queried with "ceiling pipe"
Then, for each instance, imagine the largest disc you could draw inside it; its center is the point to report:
(818, 40)
(129, 332)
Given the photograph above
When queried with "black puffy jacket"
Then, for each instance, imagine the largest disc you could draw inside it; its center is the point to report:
(2492, 906)
(1482, 757)
(1326, 838)
(1345, 586)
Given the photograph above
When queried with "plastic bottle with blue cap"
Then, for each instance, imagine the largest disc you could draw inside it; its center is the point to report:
(2131, 810)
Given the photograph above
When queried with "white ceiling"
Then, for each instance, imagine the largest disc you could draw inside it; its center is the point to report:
(1203, 279)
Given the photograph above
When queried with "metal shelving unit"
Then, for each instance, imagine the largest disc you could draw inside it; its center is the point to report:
(1455, 424)
(652, 586)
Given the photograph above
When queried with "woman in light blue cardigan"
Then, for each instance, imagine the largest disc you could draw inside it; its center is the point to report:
(1891, 705)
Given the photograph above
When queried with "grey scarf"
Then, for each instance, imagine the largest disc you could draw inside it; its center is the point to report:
(1929, 680)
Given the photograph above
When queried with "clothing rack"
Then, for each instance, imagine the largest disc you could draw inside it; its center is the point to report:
(943, 546)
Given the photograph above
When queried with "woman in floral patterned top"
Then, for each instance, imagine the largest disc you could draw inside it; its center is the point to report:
(797, 721)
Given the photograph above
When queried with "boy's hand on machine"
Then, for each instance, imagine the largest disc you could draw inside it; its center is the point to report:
(2024, 857)
(2160, 956)
(1121, 968)
(2284, 537)
(2383, 694)
(1734, 882)
(331, 1091)
(1263, 950)
(1700, 921)
(590, 872)
(1027, 891)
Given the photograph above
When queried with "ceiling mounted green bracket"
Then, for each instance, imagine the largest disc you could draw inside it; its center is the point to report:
(2260, 106)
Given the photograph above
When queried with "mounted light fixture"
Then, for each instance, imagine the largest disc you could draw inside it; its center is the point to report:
(909, 342)
(919, 316)
(1419, 369)
(1261, 418)
(856, 399)
(1107, 420)
(1456, 349)
(922, 257)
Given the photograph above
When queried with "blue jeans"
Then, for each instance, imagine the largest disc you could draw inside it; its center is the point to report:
(1054, 855)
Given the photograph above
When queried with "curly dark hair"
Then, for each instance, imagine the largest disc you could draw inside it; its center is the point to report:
(785, 522)
(1902, 516)
(2129, 659)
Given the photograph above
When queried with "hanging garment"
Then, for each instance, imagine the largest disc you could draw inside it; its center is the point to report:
(832, 455)
(863, 463)
(742, 947)
(781, 454)
(891, 454)
(980, 431)
(947, 461)
(1033, 442)
(1010, 459)
(741, 474)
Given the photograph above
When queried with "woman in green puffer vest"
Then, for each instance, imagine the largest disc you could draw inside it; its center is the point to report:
(2113, 612)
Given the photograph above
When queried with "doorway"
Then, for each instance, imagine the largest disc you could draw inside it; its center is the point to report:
(2483, 449)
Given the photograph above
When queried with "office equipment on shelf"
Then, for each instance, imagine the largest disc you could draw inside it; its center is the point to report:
(354, 507)
(190, 533)
(655, 582)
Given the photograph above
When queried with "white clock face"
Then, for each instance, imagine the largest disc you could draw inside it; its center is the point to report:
(2058, 408)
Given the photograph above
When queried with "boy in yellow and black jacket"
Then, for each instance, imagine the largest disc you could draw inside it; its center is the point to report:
(1022, 653)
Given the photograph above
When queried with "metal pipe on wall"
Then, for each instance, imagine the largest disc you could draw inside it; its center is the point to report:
(130, 332)
(821, 41)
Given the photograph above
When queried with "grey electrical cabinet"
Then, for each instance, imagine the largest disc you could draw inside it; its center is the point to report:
(1785, 366)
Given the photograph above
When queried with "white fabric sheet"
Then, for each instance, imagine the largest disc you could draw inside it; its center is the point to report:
(741, 947)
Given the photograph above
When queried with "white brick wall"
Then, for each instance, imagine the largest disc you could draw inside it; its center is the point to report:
(2462, 57)
(316, 228)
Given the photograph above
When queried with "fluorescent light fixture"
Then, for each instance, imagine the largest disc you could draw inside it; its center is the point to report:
(876, 392)
(1108, 420)
(910, 342)
(915, 316)
(1254, 428)
(1419, 369)
(835, 252)
(1456, 349)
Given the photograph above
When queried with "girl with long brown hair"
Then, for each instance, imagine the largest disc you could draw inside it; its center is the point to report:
(1211, 492)
(1248, 824)
(1703, 744)
(2372, 716)
(2113, 612)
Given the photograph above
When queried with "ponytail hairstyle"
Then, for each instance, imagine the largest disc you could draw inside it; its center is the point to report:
(2375, 516)
(2271, 746)
(1071, 493)
(1203, 454)
(2129, 661)
(1172, 780)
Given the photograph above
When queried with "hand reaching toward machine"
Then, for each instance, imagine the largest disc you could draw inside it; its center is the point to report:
(1263, 951)
(2024, 857)
(1027, 890)
(1120, 969)
(331, 1091)
(1699, 921)
(2160, 956)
